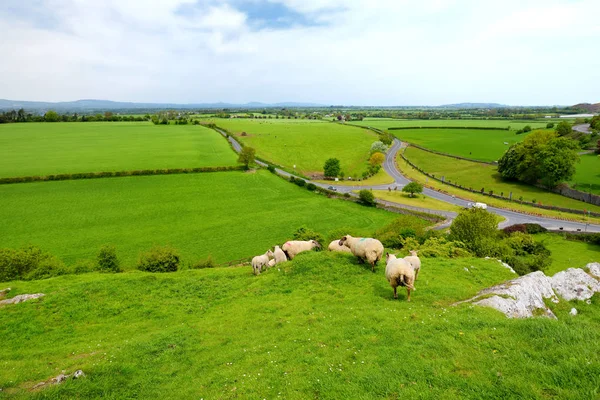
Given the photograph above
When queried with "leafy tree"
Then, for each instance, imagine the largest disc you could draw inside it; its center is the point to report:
(595, 122)
(366, 197)
(377, 159)
(413, 188)
(107, 259)
(550, 125)
(598, 147)
(378, 146)
(247, 156)
(563, 128)
(474, 227)
(51, 116)
(527, 128)
(332, 168)
(557, 161)
(386, 138)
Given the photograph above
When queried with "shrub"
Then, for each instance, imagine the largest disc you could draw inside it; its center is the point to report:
(21, 264)
(475, 228)
(208, 263)
(405, 226)
(159, 259)
(311, 186)
(304, 233)
(47, 268)
(300, 182)
(366, 197)
(532, 229)
(84, 266)
(550, 125)
(292, 179)
(107, 259)
(515, 228)
(378, 147)
(271, 168)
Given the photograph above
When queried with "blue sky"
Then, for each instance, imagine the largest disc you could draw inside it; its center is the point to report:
(353, 52)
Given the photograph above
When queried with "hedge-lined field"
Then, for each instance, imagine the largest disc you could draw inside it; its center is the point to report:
(60, 148)
(229, 215)
(587, 177)
(306, 144)
(386, 123)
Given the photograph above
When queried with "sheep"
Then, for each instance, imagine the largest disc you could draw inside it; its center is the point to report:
(399, 272)
(366, 249)
(279, 255)
(415, 262)
(335, 246)
(293, 247)
(259, 262)
(271, 263)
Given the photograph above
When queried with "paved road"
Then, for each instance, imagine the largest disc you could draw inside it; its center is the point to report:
(400, 181)
(583, 128)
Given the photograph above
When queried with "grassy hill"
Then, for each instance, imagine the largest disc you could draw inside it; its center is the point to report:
(321, 326)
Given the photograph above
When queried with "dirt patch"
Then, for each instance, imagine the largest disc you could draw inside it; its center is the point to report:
(243, 134)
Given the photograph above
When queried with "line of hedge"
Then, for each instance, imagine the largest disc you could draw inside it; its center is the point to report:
(480, 128)
(112, 174)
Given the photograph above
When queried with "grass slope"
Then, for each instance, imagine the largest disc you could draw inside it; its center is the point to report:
(587, 177)
(306, 144)
(53, 148)
(476, 175)
(386, 123)
(567, 253)
(321, 326)
(229, 215)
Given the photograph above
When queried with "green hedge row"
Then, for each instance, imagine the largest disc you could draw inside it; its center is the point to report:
(481, 128)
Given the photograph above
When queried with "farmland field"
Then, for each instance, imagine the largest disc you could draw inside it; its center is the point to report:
(386, 123)
(477, 176)
(567, 253)
(587, 177)
(418, 200)
(306, 144)
(71, 147)
(229, 215)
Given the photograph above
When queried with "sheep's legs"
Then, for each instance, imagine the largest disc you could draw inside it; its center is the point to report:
(395, 294)
(416, 275)
(408, 297)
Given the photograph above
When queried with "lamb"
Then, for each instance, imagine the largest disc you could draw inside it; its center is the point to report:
(293, 247)
(366, 249)
(415, 262)
(271, 263)
(335, 246)
(399, 272)
(279, 255)
(259, 262)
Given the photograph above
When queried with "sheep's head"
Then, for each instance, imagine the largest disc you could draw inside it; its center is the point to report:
(389, 257)
(342, 241)
(269, 253)
(413, 253)
(316, 244)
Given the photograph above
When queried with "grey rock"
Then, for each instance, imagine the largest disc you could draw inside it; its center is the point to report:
(4, 291)
(594, 269)
(21, 298)
(573, 311)
(59, 379)
(78, 374)
(575, 284)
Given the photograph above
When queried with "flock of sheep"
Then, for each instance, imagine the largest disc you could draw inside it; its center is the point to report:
(398, 271)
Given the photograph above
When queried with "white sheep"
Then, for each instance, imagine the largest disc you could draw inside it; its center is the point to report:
(366, 249)
(415, 262)
(293, 247)
(335, 246)
(399, 272)
(259, 262)
(279, 255)
(271, 263)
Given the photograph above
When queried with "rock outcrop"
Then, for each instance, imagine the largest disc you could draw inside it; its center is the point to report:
(21, 298)
(594, 269)
(575, 284)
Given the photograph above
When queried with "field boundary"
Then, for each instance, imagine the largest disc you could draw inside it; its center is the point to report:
(481, 128)
(115, 174)
(494, 163)
(554, 208)
(567, 191)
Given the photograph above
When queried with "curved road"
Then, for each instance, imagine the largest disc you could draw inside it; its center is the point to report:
(389, 165)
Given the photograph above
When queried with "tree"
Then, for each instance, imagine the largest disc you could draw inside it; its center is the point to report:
(557, 161)
(332, 168)
(377, 159)
(386, 138)
(51, 116)
(247, 156)
(563, 128)
(366, 197)
(595, 122)
(413, 188)
(474, 227)
(378, 147)
(598, 147)
(550, 125)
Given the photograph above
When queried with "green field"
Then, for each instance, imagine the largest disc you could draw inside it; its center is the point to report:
(587, 177)
(229, 215)
(568, 253)
(470, 143)
(322, 326)
(418, 200)
(386, 123)
(306, 144)
(476, 175)
(56, 148)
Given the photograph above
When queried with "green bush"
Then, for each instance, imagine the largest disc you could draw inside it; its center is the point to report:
(304, 233)
(534, 228)
(84, 266)
(107, 259)
(47, 268)
(28, 263)
(476, 228)
(404, 226)
(366, 197)
(271, 168)
(300, 182)
(159, 259)
(311, 186)
(208, 263)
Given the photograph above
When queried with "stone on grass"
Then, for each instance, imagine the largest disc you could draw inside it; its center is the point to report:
(575, 284)
(21, 298)
(594, 269)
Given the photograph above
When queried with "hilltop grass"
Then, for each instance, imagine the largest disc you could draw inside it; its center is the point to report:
(386, 123)
(306, 144)
(35, 149)
(229, 215)
(419, 200)
(477, 176)
(568, 253)
(587, 177)
(321, 326)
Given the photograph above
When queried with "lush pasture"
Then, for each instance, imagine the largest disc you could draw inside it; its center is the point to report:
(386, 123)
(226, 215)
(470, 143)
(587, 177)
(306, 144)
(53, 148)
(322, 326)
(567, 253)
(477, 176)
(418, 200)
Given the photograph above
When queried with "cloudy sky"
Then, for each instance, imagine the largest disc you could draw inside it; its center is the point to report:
(352, 52)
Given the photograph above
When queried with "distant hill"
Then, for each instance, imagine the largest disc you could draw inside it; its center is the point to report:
(587, 107)
(475, 105)
(91, 105)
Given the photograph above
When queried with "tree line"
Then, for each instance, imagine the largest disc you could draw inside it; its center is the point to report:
(16, 116)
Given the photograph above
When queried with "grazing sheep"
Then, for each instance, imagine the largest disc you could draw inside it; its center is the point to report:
(271, 263)
(415, 262)
(366, 249)
(259, 262)
(399, 272)
(335, 246)
(279, 255)
(293, 247)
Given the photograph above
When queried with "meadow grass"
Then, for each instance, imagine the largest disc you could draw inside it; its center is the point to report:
(587, 177)
(386, 123)
(229, 215)
(72, 147)
(306, 144)
(380, 178)
(419, 200)
(568, 253)
(477, 176)
(321, 326)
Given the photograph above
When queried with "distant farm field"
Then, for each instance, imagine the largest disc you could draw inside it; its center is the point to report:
(305, 144)
(587, 177)
(386, 123)
(477, 176)
(54, 148)
(229, 215)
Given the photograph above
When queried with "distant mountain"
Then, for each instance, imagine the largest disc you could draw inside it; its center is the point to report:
(475, 105)
(587, 107)
(92, 105)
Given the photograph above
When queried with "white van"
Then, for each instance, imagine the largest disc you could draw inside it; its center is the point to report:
(483, 206)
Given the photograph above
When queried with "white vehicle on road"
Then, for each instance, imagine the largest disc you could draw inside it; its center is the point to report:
(483, 206)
